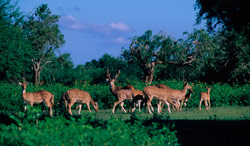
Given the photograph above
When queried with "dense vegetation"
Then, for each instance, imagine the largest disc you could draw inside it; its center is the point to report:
(30, 49)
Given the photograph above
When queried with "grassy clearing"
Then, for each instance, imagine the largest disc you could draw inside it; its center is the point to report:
(215, 113)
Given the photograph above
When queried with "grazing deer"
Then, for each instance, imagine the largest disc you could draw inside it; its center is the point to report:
(119, 92)
(160, 94)
(206, 97)
(184, 99)
(37, 97)
(73, 96)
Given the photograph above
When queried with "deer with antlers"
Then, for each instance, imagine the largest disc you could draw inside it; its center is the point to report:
(206, 97)
(73, 96)
(184, 99)
(121, 93)
(37, 97)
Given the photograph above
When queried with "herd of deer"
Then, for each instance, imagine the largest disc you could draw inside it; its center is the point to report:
(162, 93)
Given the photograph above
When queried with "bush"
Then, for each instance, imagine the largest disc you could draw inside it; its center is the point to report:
(85, 131)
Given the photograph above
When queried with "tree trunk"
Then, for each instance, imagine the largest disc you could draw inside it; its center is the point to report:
(36, 73)
(39, 79)
(149, 76)
(36, 66)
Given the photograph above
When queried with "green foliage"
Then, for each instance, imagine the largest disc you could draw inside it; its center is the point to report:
(228, 13)
(15, 50)
(86, 131)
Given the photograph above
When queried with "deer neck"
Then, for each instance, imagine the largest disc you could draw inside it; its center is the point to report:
(24, 93)
(92, 102)
(208, 92)
(112, 88)
(184, 91)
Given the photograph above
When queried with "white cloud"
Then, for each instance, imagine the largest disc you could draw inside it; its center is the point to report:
(70, 22)
(120, 26)
(120, 40)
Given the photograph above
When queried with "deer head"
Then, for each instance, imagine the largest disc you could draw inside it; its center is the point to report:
(96, 107)
(208, 89)
(110, 80)
(24, 85)
(187, 86)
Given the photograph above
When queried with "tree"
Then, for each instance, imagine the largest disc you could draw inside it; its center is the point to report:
(144, 51)
(15, 50)
(43, 32)
(150, 50)
(60, 70)
(230, 14)
(232, 17)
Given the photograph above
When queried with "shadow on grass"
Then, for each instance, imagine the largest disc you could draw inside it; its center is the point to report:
(212, 132)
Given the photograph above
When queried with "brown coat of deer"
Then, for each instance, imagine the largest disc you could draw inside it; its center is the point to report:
(137, 96)
(120, 93)
(73, 96)
(206, 97)
(184, 99)
(160, 94)
(37, 97)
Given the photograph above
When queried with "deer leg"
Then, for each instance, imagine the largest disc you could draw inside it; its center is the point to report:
(134, 104)
(170, 101)
(69, 106)
(182, 101)
(209, 104)
(88, 107)
(168, 106)
(159, 106)
(116, 103)
(200, 104)
(139, 105)
(149, 104)
(80, 108)
(206, 104)
(49, 105)
(123, 109)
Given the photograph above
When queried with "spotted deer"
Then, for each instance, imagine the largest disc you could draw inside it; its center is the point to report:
(73, 96)
(184, 99)
(37, 97)
(161, 95)
(206, 97)
(137, 96)
(121, 93)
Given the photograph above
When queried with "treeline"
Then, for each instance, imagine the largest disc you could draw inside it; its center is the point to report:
(30, 49)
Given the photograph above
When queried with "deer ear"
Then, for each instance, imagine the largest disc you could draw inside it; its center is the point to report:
(20, 83)
(107, 79)
(96, 103)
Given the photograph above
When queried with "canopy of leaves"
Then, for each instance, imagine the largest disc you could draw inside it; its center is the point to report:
(231, 14)
(15, 49)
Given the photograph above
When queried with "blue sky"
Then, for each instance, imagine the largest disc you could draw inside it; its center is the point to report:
(94, 27)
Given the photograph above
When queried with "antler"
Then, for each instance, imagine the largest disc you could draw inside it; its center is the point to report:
(108, 74)
(116, 76)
